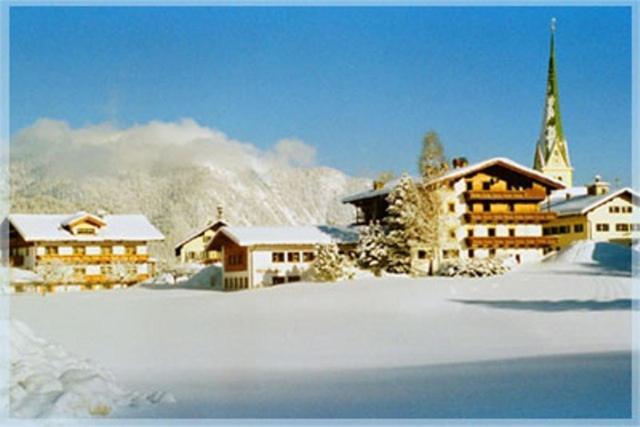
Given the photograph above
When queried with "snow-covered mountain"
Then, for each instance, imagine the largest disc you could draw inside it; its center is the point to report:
(177, 196)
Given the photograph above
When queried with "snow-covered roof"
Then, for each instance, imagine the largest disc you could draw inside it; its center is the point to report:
(213, 225)
(383, 191)
(80, 216)
(462, 172)
(502, 161)
(584, 203)
(288, 235)
(53, 227)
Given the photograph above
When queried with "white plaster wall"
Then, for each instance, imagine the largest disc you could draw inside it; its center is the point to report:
(263, 267)
(30, 257)
(65, 250)
(529, 230)
(92, 250)
(92, 270)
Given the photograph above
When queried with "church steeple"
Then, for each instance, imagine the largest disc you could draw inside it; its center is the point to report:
(552, 153)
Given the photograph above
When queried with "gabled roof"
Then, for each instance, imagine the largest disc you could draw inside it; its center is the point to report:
(504, 162)
(287, 235)
(82, 216)
(211, 226)
(462, 172)
(46, 227)
(581, 205)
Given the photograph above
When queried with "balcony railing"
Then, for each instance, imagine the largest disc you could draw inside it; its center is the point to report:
(509, 217)
(511, 241)
(93, 259)
(531, 195)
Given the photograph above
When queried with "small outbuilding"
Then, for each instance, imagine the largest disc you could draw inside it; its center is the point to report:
(255, 257)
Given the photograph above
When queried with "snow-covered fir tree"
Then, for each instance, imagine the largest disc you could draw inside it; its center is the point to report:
(406, 224)
(329, 265)
(372, 249)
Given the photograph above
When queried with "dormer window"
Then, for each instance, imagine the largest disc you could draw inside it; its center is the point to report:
(85, 230)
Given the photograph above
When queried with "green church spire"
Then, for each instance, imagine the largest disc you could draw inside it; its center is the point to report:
(552, 153)
(552, 85)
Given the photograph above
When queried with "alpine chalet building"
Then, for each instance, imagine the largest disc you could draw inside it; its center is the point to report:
(82, 251)
(489, 209)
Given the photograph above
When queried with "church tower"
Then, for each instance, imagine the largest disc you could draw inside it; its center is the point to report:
(552, 153)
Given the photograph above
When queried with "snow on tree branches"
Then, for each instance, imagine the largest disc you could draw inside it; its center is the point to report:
(406, 224)
(329, 264)
(372, 249)
(473, 267)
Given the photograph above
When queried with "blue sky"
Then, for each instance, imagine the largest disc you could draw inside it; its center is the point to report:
(360, 84)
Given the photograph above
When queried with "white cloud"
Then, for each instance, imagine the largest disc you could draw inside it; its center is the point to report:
(294, 152)
(156, 146)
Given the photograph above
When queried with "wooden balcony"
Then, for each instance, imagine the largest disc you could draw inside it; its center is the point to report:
(509, 217)
(528, 195)
(93, 259)
(511, 242)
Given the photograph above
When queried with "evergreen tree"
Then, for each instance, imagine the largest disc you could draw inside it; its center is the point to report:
(406, 224)
(328, 265)
(372, 249)
(433, 164)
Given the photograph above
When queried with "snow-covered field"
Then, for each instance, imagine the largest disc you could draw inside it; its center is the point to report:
(550, 340)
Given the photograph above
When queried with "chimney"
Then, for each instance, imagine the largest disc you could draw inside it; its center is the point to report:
(459, 162)
(377, 184)
(598, 187)
(220, 212)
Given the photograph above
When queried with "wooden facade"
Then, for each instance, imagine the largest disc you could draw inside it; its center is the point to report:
(79, 253)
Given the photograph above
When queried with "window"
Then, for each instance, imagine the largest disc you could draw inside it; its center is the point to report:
(293, 279)
(51, 250)
(452, 207)
(450, 253)
(554, 230)
(452, 233)
(469, 185)
(277, 257)
(235, 259)
(106, 269)
(486, 186)
(131, 250)
(78, 271)
(492, 232)
(512, 232)
(293, 256)
(614, 209)
(492, 252)
(308, 256)
(422, 254)
(277, 280)
(627, 209)
(470, 232)
(78, 250)
(85, 230)
(602, 227)
(622, 227)
(578, 228)
(486, 207)
(132, 269)
(471, 253)
(563, 229)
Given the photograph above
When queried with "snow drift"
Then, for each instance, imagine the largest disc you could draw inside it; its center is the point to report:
(46, 381)
(605, 255)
